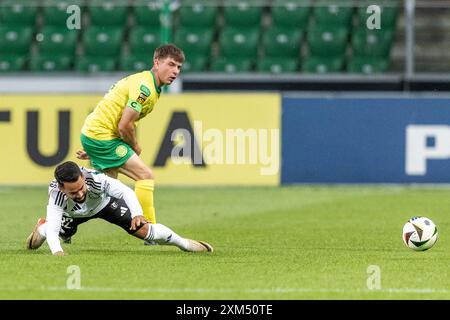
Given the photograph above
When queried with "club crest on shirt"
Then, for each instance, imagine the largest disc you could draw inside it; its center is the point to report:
(121, 151)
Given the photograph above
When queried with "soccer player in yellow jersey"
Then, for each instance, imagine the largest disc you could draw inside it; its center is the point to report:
(108, 135)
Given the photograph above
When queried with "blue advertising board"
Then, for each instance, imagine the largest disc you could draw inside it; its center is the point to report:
(365, 140)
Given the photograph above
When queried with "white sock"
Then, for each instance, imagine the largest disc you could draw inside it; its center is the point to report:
(42, 229)
(163, 235)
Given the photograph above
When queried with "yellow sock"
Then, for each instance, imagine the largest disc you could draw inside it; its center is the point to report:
(144, 192)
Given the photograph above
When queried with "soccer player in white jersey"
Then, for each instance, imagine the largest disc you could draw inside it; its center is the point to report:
(78, 195)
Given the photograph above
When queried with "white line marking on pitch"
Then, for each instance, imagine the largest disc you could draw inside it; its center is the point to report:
(274, 290)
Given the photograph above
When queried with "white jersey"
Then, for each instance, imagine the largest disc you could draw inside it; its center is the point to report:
(100, 189)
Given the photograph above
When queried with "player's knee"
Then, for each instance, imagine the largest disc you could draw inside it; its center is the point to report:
(113, 173)
(145, 174)
(67, 232)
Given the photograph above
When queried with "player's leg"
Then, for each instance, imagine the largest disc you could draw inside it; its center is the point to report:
(118, 213)
(112, 155)
(69, 226)
(36, 238)
(165, 236)
(137, 170)
(112, 172)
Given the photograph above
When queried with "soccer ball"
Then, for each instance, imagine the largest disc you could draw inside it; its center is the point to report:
(419, 233)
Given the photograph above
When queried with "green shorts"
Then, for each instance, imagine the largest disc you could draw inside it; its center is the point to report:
(106, 154)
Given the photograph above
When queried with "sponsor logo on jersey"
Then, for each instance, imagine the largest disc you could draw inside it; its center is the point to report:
(143, 95)
(141, 99)
(145, 90)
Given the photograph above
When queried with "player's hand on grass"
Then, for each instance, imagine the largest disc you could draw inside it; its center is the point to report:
(82, 155)
(137, 222)
(59, 253)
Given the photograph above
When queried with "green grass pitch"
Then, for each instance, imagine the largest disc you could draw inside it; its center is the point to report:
(302, 242)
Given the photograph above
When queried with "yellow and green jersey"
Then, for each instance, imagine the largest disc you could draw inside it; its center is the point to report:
(138, 91)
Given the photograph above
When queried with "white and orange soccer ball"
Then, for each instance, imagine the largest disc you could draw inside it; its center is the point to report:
(420, 233)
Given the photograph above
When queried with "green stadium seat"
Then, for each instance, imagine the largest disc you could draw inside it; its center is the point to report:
(277, 65)
(328, 12)
(135, 62)
(282, 41)
(95, 64)
(238, 13)
(327, 40)
(231, 65)
(195, 62)
(103, 41)
(144, 40)
(291, 13)
(198, 14)
(51, 62)
(239, 42)
(58, 40)
(372, 42)
(55, 13)
(146, 12)
(367, 65)
(194, 39)
(323, 64)
(14, 13)
(15, 39)
(389, 13)
(10, 63)
(108, 12)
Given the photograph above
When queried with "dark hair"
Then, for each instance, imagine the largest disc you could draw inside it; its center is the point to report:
(67, 172)
(169, 51)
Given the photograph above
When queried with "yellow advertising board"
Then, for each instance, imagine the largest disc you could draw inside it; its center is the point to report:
(189, 139)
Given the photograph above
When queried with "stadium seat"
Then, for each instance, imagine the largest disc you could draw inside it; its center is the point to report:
(323, 64)
(15, 39)
(195, 62)
(231, 65)
(57, 40)
(51, 62)
(146, 12)
(194, 39)
(282, 41)
(277, 64)
(198, 14)
(327, 40)
(144, 40)
(368, 65)
(103, 41)
(239, 42)
(12, 63)
(55, 13)
(330, 13)
(108, 12)
(389, 13)
(14, 13)
(291, 13)
(135, 62)
(372, 42)
(238, 13)
(95, 64)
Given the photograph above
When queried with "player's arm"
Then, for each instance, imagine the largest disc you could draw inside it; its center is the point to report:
(126, 128)
(54, 218)
(117, 189)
